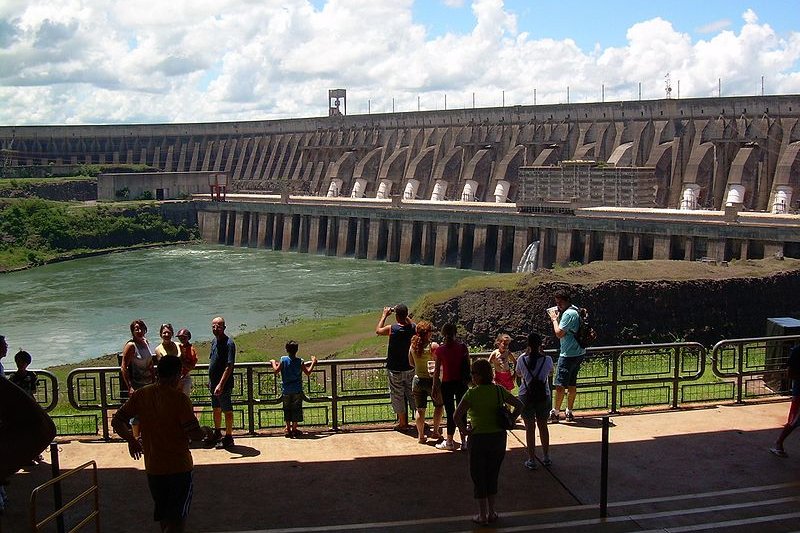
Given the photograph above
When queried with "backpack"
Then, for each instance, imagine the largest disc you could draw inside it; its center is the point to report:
(586, 335)
(535, 388)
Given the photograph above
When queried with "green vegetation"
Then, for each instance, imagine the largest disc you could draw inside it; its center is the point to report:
(35, 231)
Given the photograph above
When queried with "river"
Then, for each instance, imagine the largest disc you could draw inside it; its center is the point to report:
(76, 310)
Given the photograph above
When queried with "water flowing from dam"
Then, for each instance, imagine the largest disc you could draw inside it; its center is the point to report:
(71, 311)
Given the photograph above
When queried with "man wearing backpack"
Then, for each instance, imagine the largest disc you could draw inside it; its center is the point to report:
(533, 371)
(566, 322)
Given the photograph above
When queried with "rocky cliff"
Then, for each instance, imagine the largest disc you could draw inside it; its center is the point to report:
(631, 311)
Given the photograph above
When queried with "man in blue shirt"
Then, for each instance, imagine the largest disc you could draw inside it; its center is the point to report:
(566, 321)
(220, 383)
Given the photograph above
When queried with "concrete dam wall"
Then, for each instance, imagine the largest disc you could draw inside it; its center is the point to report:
(699, 153)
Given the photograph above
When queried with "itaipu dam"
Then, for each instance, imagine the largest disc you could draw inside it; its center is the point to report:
(495, 189)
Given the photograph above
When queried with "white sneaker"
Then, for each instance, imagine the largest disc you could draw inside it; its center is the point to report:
(553, 418)
(568, 416)
(444, 445)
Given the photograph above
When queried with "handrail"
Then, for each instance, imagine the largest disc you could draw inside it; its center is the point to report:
(755, 363)
(353, 391)
(92, 490)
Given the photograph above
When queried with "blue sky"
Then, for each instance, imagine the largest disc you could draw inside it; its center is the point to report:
(122, 61)
(605, 22)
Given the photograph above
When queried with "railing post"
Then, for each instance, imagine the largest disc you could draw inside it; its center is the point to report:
(335, 396)
(604, 470)
(676, 375)
(739, 373)
(250, 401)
(104, 405)
(614, 384)
(55, 467)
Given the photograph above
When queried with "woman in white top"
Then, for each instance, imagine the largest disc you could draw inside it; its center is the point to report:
(533, 369)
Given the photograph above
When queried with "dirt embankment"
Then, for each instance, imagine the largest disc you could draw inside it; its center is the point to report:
(625, 311)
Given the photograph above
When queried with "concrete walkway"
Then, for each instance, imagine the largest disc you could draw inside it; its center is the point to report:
(705, 464)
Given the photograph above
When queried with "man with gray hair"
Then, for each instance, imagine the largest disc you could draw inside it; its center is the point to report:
(401, 373)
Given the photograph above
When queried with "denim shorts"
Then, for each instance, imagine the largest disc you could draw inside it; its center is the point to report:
(567, 371)
(535, 410)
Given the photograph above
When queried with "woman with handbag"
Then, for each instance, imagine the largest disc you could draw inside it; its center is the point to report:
(485, 403)
(533, 371)
(450, 378)
(420, 356)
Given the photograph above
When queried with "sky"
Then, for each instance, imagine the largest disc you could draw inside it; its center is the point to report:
(148, 61)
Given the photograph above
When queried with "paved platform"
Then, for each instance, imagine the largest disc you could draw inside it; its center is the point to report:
(668, 471)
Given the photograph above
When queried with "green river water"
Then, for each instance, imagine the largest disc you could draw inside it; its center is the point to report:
(72, 311)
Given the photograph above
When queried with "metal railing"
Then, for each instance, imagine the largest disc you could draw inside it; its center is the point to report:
(754, 367)
(353, 392)
(94, 490)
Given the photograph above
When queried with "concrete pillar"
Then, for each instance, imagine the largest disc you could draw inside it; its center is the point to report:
(479, 248)
(252, 233)
(520, 245)
(344, 231)
(262, 231)
(610, 247)
(313, 235)
(286, 242)
(587, 248)
(745, 249)
(637, 242)
(373, 243)
(240, 229)
(716, 249)
(661, 245)
(440, 253)
(563, 246)
(406, 237)
(332, 239)
(362, 238)
(688, 246)
(209, 225)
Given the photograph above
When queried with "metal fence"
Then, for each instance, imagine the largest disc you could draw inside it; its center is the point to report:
(353, 393)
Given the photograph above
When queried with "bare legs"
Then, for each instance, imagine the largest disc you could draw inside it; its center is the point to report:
(572, 392)
(437, 421)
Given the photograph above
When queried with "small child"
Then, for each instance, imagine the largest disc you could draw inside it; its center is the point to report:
(503, 361)
(291, 369)
(24, 378)
(188, 356)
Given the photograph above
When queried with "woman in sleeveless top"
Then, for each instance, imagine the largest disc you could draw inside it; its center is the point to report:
(137, 364)
(450, 379)
(167, 346)
(137, 359)
(420, 356)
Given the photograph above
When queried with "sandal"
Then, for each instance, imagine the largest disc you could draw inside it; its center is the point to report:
(779, 452)
(480, 521)
(492, 517)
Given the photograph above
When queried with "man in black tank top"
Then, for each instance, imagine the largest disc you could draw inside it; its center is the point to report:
(400, 372)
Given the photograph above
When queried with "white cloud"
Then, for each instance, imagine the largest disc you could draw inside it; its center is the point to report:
(100, 61)
(714, 26)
